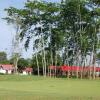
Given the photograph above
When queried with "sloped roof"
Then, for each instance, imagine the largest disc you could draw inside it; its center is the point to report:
(75, 68)
(28, 69)
(7, 66)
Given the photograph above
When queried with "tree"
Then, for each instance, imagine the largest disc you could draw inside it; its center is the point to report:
(22, 64)
(3, 57)
(14, 20)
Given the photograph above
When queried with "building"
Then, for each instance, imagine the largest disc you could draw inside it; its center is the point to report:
(6, 69)
(27, 71)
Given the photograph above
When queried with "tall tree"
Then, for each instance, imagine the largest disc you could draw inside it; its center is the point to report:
(14, 19)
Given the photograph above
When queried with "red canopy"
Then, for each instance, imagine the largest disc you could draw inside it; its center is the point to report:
(74, 68)
(65, 68)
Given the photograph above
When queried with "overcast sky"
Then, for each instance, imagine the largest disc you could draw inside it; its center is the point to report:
(6, 31)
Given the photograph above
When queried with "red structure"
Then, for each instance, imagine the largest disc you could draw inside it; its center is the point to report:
(6, 68)
(28, 70)
(72, 70)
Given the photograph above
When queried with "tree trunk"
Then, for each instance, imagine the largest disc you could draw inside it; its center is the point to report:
(82, 68)
(56, 64)
(44, 57)
(15, 65)
(67, 63)
(51, 60)
(37, 65)
(94, 68)
(77, 63)
(42, 62)
(90, 71)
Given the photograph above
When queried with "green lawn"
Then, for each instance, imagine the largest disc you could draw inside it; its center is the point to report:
(39, 88)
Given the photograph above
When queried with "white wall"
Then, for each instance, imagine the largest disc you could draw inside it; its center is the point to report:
(2, 71)
(25, 73)
(9, 71)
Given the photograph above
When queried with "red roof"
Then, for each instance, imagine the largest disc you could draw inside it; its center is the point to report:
(65, 68)
(28, 69)
(74, 68)
(97, 69)
(7, 66)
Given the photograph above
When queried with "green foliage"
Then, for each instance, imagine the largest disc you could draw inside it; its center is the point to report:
(23, 63)
(3, 57)
(96, 2)
(98, 56)
(69, 26)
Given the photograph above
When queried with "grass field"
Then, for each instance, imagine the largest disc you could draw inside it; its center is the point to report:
(39, 88)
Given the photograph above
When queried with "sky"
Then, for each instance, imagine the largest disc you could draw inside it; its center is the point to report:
(6, 31)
